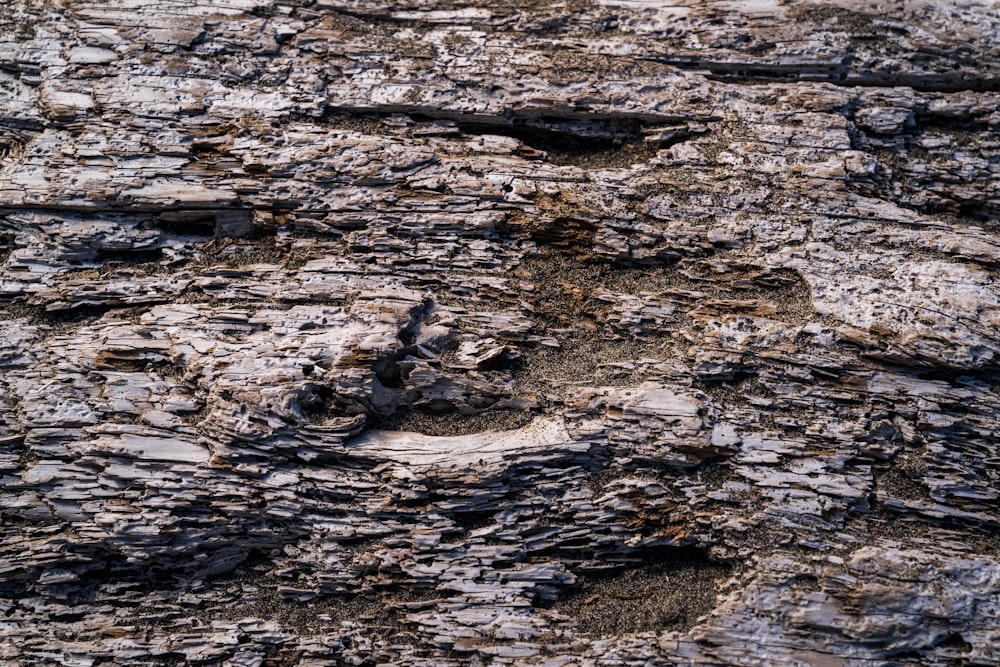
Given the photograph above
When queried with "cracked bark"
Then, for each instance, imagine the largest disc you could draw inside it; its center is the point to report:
(581, 333)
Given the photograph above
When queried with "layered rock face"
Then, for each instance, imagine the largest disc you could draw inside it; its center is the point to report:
(508, 333)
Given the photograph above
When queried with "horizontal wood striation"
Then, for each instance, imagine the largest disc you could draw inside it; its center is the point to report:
(589, 332)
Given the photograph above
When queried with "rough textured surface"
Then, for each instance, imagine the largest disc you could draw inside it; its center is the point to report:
(612, 333)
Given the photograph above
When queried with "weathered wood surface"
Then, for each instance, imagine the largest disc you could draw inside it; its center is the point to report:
(617, 332)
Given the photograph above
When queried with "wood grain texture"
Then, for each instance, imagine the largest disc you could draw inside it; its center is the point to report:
(515, 333)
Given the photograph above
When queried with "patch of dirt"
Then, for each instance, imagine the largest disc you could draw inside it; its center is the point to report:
(669, 590)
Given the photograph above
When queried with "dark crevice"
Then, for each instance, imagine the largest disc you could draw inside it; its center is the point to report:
(469, 520)
(924, 121)
(128, 256)
(592, 145)
(196, 224)
(231, 222)
(733, 385)
(387, 368)
(573, 137)
(957, 376)
(840, 75)
(77, 315)
(182, 220)
(568, 121)
(93, 566)
(315, 405)
(954, 641)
